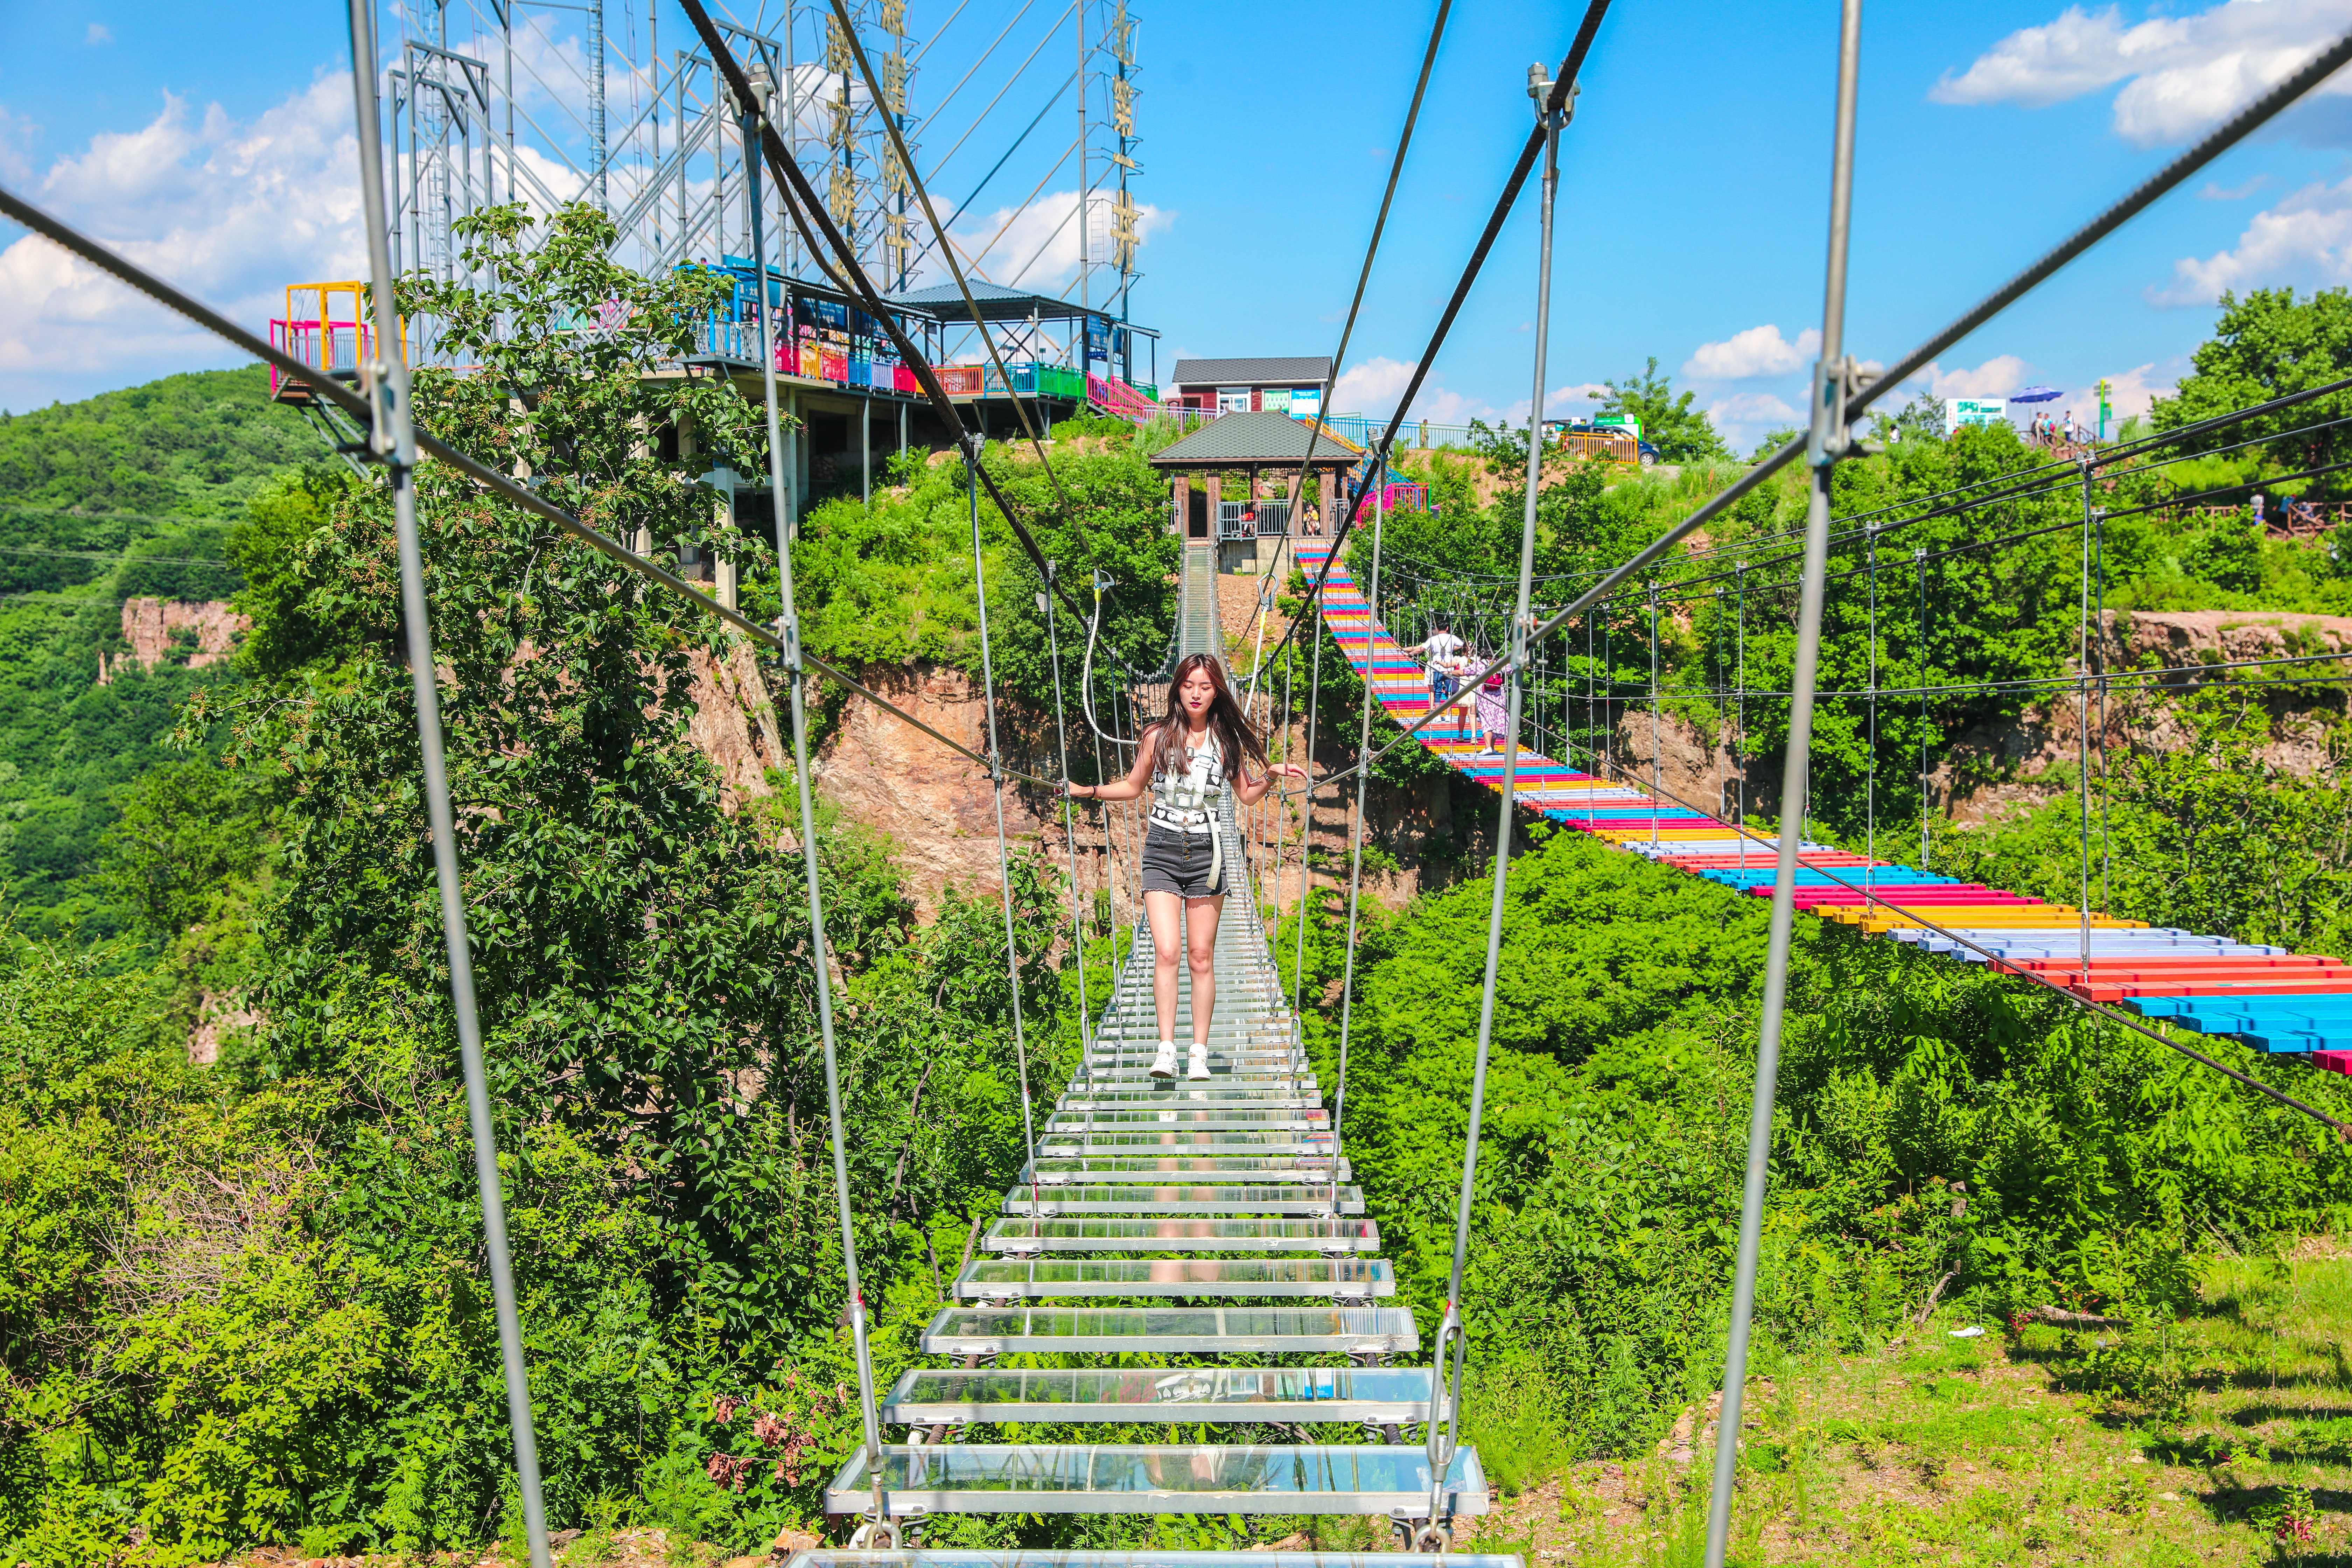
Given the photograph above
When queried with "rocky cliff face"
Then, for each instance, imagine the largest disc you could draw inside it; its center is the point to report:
(152, 628)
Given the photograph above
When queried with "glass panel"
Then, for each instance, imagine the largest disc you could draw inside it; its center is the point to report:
(1106, 1479)
(1310, 1195)
(1179, 1277)
(1136, 1234)
(1155, 1386)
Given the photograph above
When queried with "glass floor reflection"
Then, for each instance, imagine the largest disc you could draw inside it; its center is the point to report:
(959, 1330)
(958, 1397)
(1049, 1477)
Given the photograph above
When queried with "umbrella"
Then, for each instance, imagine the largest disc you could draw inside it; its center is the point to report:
(2036, 394)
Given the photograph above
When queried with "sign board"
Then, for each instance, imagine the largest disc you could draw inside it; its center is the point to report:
(1305, 402)
(1275, 400)
(1959, 411)
(1631, 425)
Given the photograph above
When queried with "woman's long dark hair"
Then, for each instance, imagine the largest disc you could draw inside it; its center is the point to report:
(1239, 743)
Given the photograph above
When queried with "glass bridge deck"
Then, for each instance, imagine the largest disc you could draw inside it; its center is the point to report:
(1027, 1233)
(1364, 1330)
(1145, 1393)
(993, 1281)
(1053, 1477)
(1307, 1197)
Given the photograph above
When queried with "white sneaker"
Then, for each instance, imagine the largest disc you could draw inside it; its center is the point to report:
(1200, 1066)
(1163, 1065)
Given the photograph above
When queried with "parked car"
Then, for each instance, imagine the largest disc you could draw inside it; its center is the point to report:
(1555, 428)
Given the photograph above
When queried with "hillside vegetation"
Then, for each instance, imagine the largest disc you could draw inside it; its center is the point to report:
(244, 1304)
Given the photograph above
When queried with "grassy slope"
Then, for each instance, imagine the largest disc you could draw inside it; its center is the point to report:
(1998, 1449)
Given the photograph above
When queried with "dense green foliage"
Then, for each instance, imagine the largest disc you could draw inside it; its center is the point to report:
(198, 444)
(2092, 1163)
(130, 494)
(2266, 346)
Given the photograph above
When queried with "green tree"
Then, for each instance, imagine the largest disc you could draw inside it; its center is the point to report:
(2266, 344)
(1681, 433)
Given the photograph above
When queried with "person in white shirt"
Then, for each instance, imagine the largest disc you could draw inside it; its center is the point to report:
(1444, 653)
(1189, 762)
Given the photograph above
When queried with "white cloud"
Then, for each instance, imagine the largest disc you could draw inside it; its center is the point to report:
(1743, 417)
(2213, 192)
(1036, 247)
(2185, 74)
(1997, 377)
(17, 136)
(99, 33)
(2129, 393)
(1758, 351)
(230, 211)
(2307, 238)
(1371, 386)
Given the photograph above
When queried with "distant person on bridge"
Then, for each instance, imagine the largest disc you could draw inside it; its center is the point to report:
(1189, 761)
(1442, 647)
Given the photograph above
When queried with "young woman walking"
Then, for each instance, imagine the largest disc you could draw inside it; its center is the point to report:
(1187, 762)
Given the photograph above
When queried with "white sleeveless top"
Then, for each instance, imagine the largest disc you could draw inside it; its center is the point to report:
(1186, 799)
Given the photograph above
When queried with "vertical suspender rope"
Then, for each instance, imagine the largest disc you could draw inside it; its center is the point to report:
(1355, 872)
(393, 441)
(2099, 620)
(1870, 759)
(1444, 1424)
(2082, 723)
(1826, 444)
(1307, 802)
(1003, 854)
(1919, 560)
(878, 1529)
(1739, 681)
(1079, 921)
(1657, 778)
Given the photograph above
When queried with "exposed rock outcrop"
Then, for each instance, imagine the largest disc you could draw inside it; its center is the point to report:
(150, 626)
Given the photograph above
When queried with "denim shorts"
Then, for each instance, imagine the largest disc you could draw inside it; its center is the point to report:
(1178, 862)
(1441, 686)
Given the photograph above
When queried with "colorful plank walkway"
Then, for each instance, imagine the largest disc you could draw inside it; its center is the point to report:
(2267, 997)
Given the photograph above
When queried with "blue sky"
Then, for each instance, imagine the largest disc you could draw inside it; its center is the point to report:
(216, 147)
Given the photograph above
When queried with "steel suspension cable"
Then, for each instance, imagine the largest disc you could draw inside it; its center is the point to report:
(393, 443)
(1069, 832)
(1857, 399)
(1826, 444)
(1306, 835)
(1563, 89)
(1445, 1424)
(1356, 867)
(796, 678)
(1004, 851)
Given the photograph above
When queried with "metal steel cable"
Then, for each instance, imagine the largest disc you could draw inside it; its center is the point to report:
(1827, 441)
(1444, 1424)
(1004, 856)
(1364, 274)
(2235, 130)
(955, 265)
(818, 229)
(1563, 85)
(788, 622)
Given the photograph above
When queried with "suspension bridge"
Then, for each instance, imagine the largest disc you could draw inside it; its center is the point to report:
(1221, 1223)
(1170, 1206)
(2267, 996)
